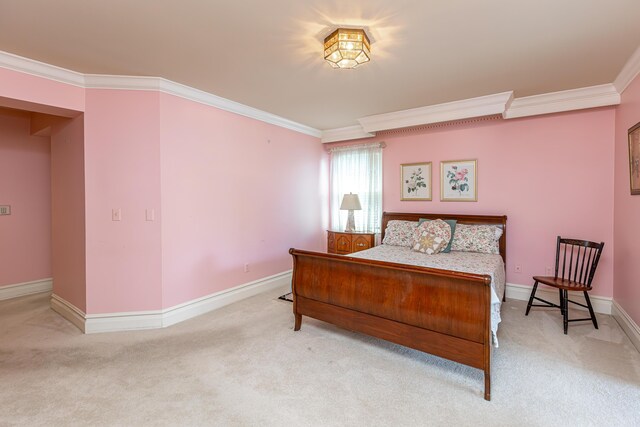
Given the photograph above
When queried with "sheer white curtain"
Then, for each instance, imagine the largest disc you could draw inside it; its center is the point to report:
(357, 169)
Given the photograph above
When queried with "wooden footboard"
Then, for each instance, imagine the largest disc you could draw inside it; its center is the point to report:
(440, 312)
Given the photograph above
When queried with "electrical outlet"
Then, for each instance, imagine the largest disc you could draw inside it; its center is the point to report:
(116, 214)
(246, 267)
(548, 271)
(5, 210)
(518, 268)
(150, 214)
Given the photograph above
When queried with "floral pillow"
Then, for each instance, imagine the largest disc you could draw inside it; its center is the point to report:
(399, 233)
(431, 237)
(477, 238)
(452, 224)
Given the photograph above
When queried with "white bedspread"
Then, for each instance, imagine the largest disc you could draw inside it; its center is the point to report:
(466, 262)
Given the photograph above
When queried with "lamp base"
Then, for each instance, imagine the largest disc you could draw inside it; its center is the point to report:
(351, 222)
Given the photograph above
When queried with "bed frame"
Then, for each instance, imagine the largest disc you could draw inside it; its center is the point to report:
(441, 312)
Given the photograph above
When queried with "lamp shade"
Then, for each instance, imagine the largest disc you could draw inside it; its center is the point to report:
(350, 201)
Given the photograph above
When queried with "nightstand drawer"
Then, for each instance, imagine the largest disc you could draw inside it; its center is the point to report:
(345, 243)
(361, 242)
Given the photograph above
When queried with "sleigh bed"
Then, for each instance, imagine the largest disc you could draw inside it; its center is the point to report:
(443, 312)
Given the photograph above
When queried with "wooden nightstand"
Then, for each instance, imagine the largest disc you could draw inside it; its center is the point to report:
(340, 242)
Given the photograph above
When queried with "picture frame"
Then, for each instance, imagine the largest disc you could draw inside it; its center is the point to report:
(459, 181)
(415, 181)
(634, 159)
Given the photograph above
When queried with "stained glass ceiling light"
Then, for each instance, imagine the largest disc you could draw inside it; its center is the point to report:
(347, 48)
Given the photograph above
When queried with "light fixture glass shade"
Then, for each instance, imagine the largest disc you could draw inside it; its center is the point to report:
(347, 48)
(350, 202)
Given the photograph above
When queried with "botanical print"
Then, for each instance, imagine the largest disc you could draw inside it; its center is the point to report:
(634, 158)
(416, 181)
(458, 181)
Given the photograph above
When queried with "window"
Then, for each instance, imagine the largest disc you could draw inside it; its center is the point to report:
(357, 169)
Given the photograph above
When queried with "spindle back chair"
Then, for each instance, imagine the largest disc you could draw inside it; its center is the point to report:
(576, 263)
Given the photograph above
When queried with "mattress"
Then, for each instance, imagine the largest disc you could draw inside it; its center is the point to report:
(466, 262)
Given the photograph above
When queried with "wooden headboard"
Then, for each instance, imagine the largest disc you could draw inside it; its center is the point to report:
(499, 220)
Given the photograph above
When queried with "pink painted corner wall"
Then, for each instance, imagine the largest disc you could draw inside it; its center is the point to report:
(234, 191)
(68, 211)
(122, 171)
(551, 175)
(25, 252)
(32, 93)
(627, 208)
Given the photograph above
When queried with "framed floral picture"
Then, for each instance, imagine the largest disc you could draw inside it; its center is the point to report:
(634, 159)
(415, 180)
(459, 181)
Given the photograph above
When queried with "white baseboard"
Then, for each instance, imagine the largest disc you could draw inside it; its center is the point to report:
(26, 288)
(522, 292)
(67, 310)
(153, 319)
(181, 312)
(630, 327)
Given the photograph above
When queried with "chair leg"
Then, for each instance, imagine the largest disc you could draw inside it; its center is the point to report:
(533, 294)
(565, 312)
(593, 315)
(561, 302)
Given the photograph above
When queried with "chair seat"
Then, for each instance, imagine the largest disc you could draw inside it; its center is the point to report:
(560, 283)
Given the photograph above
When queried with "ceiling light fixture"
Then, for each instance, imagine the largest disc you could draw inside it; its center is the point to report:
(347, 48)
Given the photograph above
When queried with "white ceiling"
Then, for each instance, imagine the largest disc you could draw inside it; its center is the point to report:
(268, 54)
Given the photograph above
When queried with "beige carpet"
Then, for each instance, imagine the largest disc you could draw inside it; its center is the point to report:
(244, 365)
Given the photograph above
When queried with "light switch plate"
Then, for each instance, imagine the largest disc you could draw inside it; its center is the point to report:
(5, 210)
(116, 214)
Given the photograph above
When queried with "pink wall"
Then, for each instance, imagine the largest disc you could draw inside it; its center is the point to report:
(551, 175)
(228, 190)
(122, 163)
(627, 208)
(28, 92)
(25, 252)
(68, 211)
(234, 191)
(109, 158)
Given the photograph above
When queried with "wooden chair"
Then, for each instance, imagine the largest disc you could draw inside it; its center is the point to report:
(575, 274)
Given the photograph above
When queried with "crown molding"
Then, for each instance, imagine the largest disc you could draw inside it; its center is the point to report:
(456, 110)
(566, 100)
(628, 73)
(212, 100)
(101, 81)
(106, 81)
(344, 134)
(40, 69)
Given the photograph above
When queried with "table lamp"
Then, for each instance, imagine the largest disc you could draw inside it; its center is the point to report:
(350, 202)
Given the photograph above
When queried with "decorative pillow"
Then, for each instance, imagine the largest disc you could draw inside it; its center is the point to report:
(452, 224)
(399, 233)
(431, 237)
(477, 238)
